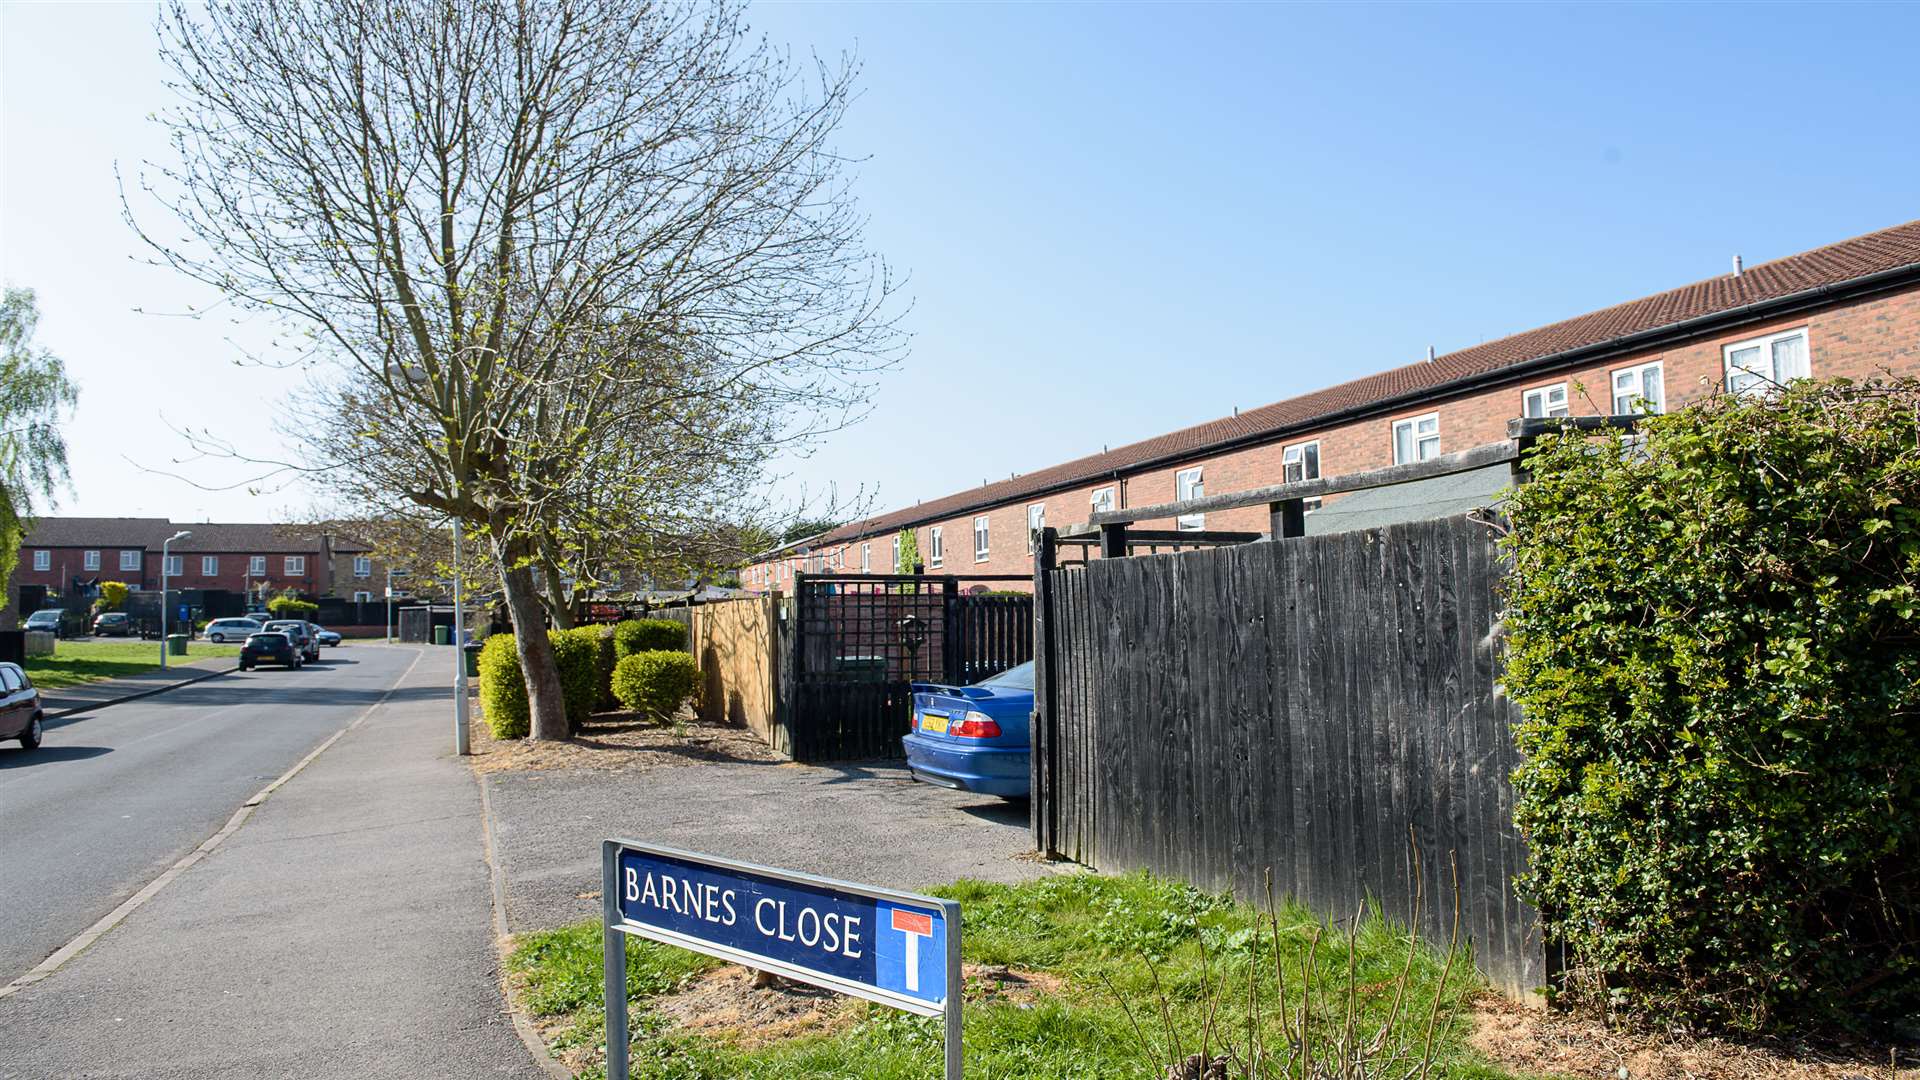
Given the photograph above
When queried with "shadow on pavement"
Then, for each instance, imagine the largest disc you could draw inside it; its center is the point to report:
(1002, 812)
(20, 759)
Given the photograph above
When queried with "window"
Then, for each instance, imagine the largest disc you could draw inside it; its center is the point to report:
(980, 537)
(257, 565)
(1543, 401)
(866, 558)
(209, 565)
(1639, 389)
(1302, 462)
(1758, 366)
(1036, 520)
(43, 560)
(936, 547)
(174, 567)
(129, 560)
(9, 682)
(1102, 499)
(91, 560)
(362, 597)
(296, 565)
(362, 566)
(897, 568)
(1189, 484)
(1416, 439)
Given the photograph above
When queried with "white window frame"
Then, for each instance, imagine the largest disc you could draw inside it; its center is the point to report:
(936, 546)
(1297, 455)
(1036, 520)
(1544, 396)
(362, 597)
(1760, 383)
(362, 566)
(173, 566)
(982, 538)
(294, 565)
(896, 557)
(1637, 391)
(257, 565)
(91, 560)
(1190, 484)
(42, 559)
(209, 566)
(866, 558)
(129, 559)
(1416, 439)
(1111, 500)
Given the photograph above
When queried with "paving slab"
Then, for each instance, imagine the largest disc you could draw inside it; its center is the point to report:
(869, 822)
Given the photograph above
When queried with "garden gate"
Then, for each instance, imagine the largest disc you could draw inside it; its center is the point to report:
(860, 640)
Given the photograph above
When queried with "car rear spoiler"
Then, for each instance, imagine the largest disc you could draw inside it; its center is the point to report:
(972, 693)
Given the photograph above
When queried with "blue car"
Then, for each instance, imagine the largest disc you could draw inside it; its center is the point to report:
(974, 738)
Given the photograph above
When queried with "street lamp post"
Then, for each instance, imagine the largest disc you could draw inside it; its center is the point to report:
(164, 545)
(390, 573)
(460, 734)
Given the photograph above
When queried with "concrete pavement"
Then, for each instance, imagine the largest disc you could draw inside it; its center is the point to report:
(343, 931)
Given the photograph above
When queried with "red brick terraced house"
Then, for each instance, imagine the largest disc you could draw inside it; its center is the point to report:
(62, 553)
(1850, 309)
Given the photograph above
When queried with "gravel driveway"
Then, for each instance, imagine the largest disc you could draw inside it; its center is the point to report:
(868, 822)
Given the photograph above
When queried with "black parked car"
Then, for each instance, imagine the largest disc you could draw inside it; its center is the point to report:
(300, 632)
(112, 624)
(269, 648)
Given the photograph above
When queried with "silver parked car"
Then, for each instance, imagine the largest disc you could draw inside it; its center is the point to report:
(223, 630)
(302, 634)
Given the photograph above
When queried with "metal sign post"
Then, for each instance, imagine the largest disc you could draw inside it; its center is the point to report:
(897, 948)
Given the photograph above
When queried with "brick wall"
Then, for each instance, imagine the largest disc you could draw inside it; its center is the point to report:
(1858, 340)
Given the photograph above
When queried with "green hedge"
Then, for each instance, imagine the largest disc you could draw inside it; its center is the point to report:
(287, 607)
(603, 646)
(576, 653)
(1715, 641)
(656, 683)
(503, 693)
(647, 635)
(503, 690)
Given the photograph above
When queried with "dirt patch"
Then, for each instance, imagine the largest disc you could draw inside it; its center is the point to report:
(619, 742)
(724, 1003)
(1538, 1042)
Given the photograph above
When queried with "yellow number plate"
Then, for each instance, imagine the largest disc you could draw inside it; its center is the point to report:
(933, 723)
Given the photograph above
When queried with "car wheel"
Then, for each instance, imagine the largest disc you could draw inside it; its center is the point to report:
(216, 639)
(30, 738)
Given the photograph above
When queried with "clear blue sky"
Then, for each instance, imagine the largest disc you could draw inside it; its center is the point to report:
(1118, 219)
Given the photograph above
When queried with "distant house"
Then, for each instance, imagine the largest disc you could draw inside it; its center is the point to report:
(1849, 309)
(64, 555)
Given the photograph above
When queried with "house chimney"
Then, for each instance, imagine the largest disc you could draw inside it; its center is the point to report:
(1429, 354)
(1738, 267)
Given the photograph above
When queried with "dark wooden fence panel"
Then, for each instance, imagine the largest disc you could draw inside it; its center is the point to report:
(1306, 707)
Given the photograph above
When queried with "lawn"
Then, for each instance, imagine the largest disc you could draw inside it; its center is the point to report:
(1069, 978)
(85, 660)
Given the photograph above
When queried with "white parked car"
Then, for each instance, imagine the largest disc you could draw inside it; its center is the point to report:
(225, 630)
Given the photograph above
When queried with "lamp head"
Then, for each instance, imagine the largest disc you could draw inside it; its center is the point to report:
(181, 535)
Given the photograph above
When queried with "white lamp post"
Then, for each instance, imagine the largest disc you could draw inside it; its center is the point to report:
(460, 736)
(391, 572)
(164, 544)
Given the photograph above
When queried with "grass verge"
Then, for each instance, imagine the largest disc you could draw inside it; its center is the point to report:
(76, 662)
(1124, 961)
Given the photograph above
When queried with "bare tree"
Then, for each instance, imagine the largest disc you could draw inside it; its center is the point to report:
(499, 223)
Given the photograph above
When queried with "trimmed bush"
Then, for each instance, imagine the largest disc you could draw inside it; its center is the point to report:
(603, 646)
(503, 692)
(1715, 640)
(647, 635)
(656, 683)
(288, 607)
(576, 653)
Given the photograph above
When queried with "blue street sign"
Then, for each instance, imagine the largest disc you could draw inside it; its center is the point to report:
(896, 948)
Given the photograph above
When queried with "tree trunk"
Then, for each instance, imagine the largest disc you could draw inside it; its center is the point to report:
(560, 599)
(544, 698)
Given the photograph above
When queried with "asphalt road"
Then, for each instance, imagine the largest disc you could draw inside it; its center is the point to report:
(115, 797)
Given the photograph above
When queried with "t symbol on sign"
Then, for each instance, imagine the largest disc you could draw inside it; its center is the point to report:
(914, 927)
